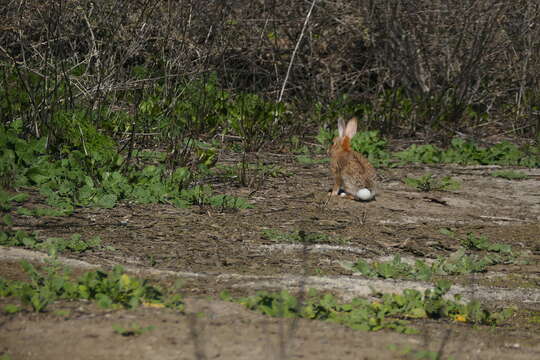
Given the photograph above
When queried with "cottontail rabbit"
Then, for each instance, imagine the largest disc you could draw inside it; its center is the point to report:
(352, 172)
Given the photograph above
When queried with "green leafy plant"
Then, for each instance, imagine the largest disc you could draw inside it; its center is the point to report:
(254, 119)
(373, 147)
(7, 199)
(468, 153)
(429, 182)
(96, 179)
(325, 136)
(74, 243)
(43, 211)
(458, 263)
(114, 289)
(389, 311)
(481, 242)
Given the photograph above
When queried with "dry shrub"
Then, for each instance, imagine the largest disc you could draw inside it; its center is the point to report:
(422, 65)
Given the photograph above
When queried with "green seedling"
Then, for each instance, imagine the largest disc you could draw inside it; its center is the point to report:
(64, 313)
(11, 309)
(74, 243)
(429, 182)
(481, 242)
(299, 236)
(132, 330)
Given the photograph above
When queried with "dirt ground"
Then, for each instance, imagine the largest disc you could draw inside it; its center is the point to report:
(211, 251)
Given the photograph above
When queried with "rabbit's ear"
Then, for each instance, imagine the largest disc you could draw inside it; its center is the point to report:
(341, 127)
(350, 130)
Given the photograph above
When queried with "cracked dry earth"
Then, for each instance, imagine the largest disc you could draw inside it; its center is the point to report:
(211, 251)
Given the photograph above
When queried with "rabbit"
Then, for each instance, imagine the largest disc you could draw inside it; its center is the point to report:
(352, 172)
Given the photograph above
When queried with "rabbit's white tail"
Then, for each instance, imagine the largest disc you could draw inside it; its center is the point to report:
(365, 194)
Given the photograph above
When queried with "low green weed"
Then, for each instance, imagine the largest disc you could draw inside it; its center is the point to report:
(95, 179)
(133, 330)
(11, 309)
(7, 199)
(458, 263)
(370, 144)
(63, 313)
(468, 153)
(427, 154)
(389, 311)
(429, 182)
(74, 243)
(297, 147)
(510, 174)
(114, 289)
(481, 242)
(374, 147)
(503, 253)
(43, 211)
(325, 137)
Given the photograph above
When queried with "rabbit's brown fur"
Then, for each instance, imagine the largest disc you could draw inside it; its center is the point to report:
(350, 169)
